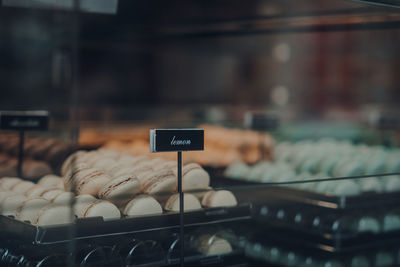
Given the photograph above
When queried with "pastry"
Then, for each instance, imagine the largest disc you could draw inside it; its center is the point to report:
(391, 222)
(360, 261)
(160, 181)
(221, 198)
(64, 198)
(142, 205)
(8, 182)
(35, 191)
(120, 189)
(190, 202)
(392, 183)
(81, 202)
(28, 210)
(346, 188)
(102, 208)
(51, 193)
(213, 245)
(49, 180)
(53, 214)
(10, 204)
(194, 177)
(22, 187)
(5, 194)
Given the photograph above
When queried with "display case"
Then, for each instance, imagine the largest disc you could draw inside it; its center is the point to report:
(298, 101)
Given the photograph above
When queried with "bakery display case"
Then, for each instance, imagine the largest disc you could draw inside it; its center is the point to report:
(298, 101)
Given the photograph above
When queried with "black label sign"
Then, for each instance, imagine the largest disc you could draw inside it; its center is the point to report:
(167, 140)
(24, 120)
(261, 121)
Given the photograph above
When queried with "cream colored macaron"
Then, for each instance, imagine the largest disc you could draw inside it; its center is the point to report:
(221, 198)
(142, 205)
(8, 182)
(49, 180)
(194, 177)
(28, 210)
(160, 181)
(35, 191)
(54, 214)
(51, 193)
(120, 189)
(9, 205)
(81, 202)
(213, 245)
(102, 208)
(22, 187)
(190, 202)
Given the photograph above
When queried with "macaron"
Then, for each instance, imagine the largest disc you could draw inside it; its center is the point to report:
(35, 191)
(160, 181)
(22, 187)
(49, 180)
(142, 205)
(87, 181)
(102, 208)
(8, 182)
(72, 159)
(10, 205)
(347, 188)
(194, 177)
(4, 194)
(391, 222)
(81, 202)
(53, 214)
(221, 198)
(213, 245)
(51, 193)
(28, 210)
(392, 184)
(120, 189)
(64, 198)
(190, 202)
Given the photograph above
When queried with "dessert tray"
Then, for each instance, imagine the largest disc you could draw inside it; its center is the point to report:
(97, 227)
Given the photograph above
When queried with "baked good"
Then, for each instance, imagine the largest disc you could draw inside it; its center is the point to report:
(120, 189)
(81, 202)
(64, 198)
(368, 224)
(102, 208)
(53, 214)
(221, 198)
(213, 245)
(391, 222)
(87, 181)
(347, 188)
(49, 180)
(28, 210)
(160, 181)
(8, 182)
(35, 191)
(5, 194)
(51, 193)
(142, 205)
(10, 204)
(194, 177)
(190, 202)
(22, 187)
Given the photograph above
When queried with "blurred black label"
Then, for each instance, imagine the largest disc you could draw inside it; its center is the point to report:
(261, 121)
(24, 120)
(167, 140)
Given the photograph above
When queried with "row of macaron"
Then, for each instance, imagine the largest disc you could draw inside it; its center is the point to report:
(273, 254)
(109, 174)
(53, 206)
(338, 158)
(277, 172)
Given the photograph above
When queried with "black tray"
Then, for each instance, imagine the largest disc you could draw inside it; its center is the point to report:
(97, 227)
(264, 192)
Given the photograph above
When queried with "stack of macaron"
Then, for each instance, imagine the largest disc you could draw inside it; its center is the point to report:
(43, 203)
(138, 185)
(223, 146)
(326, 158)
